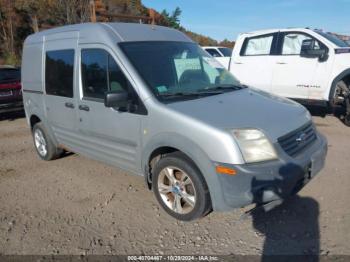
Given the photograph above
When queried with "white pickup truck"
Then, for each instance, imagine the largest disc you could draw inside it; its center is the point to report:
(309, 66)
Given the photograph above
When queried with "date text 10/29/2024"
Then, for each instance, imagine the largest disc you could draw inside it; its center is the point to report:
(172, 258)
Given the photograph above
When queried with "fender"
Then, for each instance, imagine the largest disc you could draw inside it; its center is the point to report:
(335, 81)
(198, 156)
(32, 108)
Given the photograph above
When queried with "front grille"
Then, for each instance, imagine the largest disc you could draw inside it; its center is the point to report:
(298, 140)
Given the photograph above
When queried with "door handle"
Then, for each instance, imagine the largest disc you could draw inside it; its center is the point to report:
(69, 105)
(84, 108)
(238, 63)
(281, 63)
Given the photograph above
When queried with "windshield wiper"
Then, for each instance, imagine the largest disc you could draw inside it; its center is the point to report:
(178, 94)
(219, 88)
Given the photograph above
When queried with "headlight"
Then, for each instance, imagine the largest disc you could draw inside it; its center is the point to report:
(308, 115)
(254, 145)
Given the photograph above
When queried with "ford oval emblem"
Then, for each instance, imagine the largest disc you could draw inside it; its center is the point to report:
(300, 138)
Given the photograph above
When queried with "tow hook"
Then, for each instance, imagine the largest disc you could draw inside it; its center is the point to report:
(265, 207)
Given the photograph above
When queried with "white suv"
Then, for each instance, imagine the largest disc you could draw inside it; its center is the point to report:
(310, 66)
(220, 53)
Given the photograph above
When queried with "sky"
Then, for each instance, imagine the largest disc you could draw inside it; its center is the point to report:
(222, 19)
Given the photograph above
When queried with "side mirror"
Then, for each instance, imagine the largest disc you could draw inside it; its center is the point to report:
(118, 99)
(308, 50)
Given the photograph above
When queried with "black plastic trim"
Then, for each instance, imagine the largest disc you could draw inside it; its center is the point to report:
(311, 102)
(32, 91)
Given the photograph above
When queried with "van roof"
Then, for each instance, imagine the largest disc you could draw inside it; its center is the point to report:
(117, 32)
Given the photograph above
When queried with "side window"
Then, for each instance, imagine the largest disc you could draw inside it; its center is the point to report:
(213, 52)
(258, 45)
(59, 73)
(292, 43)
(116, 78)
(100, 73)
(94, 65)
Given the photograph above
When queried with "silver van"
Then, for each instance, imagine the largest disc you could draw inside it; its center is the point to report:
(149, 100)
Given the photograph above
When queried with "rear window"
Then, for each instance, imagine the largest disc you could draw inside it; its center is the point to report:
(59, 73)
(8, 74)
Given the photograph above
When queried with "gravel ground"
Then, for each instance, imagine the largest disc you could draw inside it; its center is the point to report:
(75, 205)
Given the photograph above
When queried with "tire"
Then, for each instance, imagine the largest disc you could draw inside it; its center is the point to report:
(347, 120)
(43, 144)
(341, 85)
(187, 188)
(341, 111)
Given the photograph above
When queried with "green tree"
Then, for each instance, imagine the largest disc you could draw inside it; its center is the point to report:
(227, 43)
(172, 20)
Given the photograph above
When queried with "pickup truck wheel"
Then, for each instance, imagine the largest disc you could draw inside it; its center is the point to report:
(43, 144)
(180, 188)
(337, 97)
(340, 102)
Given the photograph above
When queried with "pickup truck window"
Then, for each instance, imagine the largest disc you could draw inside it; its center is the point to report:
(291, 43)
(100, 73)
(179, 69)
(59, 72)
(260, 45)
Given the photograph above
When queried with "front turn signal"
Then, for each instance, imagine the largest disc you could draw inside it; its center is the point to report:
(225, 170)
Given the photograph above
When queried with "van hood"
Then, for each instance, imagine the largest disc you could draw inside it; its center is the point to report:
(246, 108)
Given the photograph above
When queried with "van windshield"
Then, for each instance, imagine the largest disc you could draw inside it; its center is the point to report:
(179, 70)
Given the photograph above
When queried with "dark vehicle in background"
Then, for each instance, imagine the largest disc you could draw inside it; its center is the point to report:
(10, 89)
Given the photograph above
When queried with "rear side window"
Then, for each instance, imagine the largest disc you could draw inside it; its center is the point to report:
(59, 73)
(213, 52)
(258, 45)
(100, 73)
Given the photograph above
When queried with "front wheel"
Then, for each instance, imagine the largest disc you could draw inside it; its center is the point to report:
(180, 187)
(340, 102)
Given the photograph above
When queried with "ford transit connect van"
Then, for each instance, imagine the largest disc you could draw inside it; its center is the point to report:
(149, 100)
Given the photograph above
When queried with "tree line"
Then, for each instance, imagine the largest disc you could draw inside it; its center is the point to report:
(19, 18)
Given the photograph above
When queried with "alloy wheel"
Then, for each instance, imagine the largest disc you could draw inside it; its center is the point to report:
(40, 142)
(176, 190)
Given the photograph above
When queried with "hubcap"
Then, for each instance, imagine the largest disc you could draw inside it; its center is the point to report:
(40, 142)
(176, 190)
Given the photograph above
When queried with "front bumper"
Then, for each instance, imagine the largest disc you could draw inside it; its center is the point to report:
(273, 180)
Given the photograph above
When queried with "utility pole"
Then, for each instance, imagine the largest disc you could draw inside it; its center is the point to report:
(92, 11)
(152, 15)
